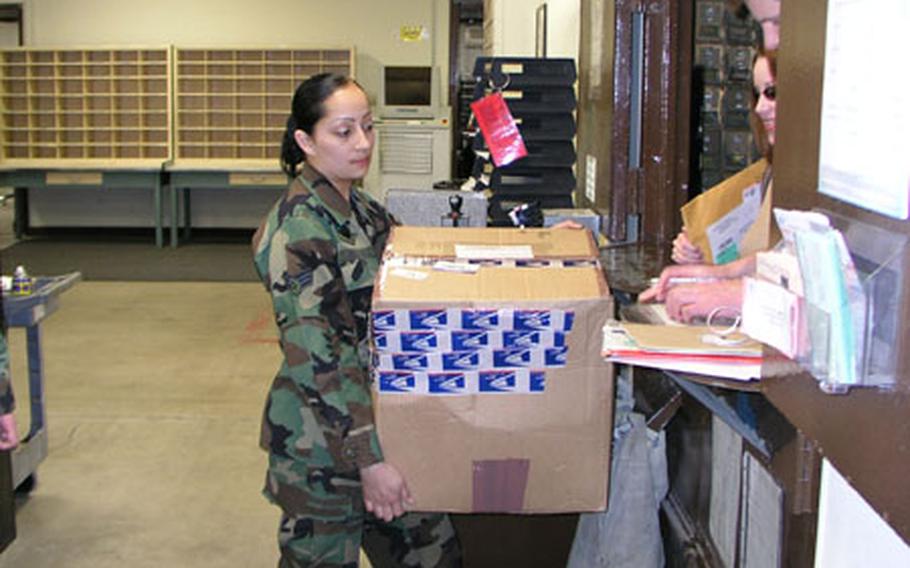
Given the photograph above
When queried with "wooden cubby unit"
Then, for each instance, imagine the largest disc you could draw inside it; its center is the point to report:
(231, 104)
(92, 107)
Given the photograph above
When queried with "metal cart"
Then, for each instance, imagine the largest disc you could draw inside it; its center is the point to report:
(28, 312)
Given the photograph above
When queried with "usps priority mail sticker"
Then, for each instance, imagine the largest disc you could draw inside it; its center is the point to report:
(453, 383)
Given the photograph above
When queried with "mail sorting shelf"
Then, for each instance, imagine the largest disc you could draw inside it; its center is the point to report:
(231, 102)
(183, 179)
(95, 107)
(28, 312)
(24, 179)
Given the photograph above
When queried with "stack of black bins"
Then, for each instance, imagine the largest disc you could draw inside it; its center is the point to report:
(540, 95)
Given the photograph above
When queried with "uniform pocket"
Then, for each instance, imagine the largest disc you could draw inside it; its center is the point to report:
(320, 491)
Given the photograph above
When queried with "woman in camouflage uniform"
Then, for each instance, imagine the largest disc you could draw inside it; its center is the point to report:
(317, 252)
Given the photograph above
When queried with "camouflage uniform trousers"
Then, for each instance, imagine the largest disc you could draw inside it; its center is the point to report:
(324, 523)
(415, 540)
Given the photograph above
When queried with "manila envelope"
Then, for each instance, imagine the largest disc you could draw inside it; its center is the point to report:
(723, 201)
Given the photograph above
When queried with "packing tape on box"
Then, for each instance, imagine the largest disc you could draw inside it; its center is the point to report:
(472, 265)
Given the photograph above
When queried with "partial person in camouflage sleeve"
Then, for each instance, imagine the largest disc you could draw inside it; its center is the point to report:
(317, 252)
(9, 436)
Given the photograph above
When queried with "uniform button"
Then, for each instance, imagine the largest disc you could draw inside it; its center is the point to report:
(349, 452)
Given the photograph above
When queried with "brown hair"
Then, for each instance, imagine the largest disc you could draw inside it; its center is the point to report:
(306, 110)
(738, 8)
(758, 129)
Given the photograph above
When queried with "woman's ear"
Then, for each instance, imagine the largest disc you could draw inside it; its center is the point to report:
(305, 142)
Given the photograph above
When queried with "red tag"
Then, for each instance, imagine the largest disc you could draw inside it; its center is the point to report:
(499, 129)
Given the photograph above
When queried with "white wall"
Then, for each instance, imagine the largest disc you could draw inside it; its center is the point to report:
(371, 26)
(9, 34)
(563, 28)
(514, 24)
(850, 533)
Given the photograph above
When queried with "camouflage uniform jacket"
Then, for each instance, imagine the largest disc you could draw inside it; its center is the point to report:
(7, 404)
(317, 255)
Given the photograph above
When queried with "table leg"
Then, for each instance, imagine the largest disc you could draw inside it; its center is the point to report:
(20, 214)
(35, 378)
(33, 448)
(187, 215)
(175, 216)
(159, 233)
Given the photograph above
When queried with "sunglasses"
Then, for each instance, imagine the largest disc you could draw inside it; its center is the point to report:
(770, 92)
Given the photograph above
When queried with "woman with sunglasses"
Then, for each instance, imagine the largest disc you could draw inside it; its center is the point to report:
(763, 120)
(724, 290)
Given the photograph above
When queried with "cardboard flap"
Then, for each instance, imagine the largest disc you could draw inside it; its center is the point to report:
(489, 284)
(564, 437)
(440, 242)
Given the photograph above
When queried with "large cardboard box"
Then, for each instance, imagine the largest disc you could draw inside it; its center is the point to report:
(490, 391)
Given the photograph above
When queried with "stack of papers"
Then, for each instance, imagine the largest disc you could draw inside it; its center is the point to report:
(684, 348)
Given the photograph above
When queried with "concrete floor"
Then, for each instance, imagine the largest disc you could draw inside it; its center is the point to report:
(153, 397)
(154, 392)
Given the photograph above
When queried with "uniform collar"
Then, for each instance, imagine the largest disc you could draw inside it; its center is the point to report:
(322, 188)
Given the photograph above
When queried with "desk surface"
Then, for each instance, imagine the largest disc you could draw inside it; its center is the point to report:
(629, 268)
(82, 165)
(865, 434)
(257, 166)
(23, 311)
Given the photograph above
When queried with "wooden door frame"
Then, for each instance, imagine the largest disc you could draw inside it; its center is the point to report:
(658, 185)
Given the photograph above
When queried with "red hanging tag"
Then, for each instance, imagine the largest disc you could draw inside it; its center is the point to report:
(499, 129)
